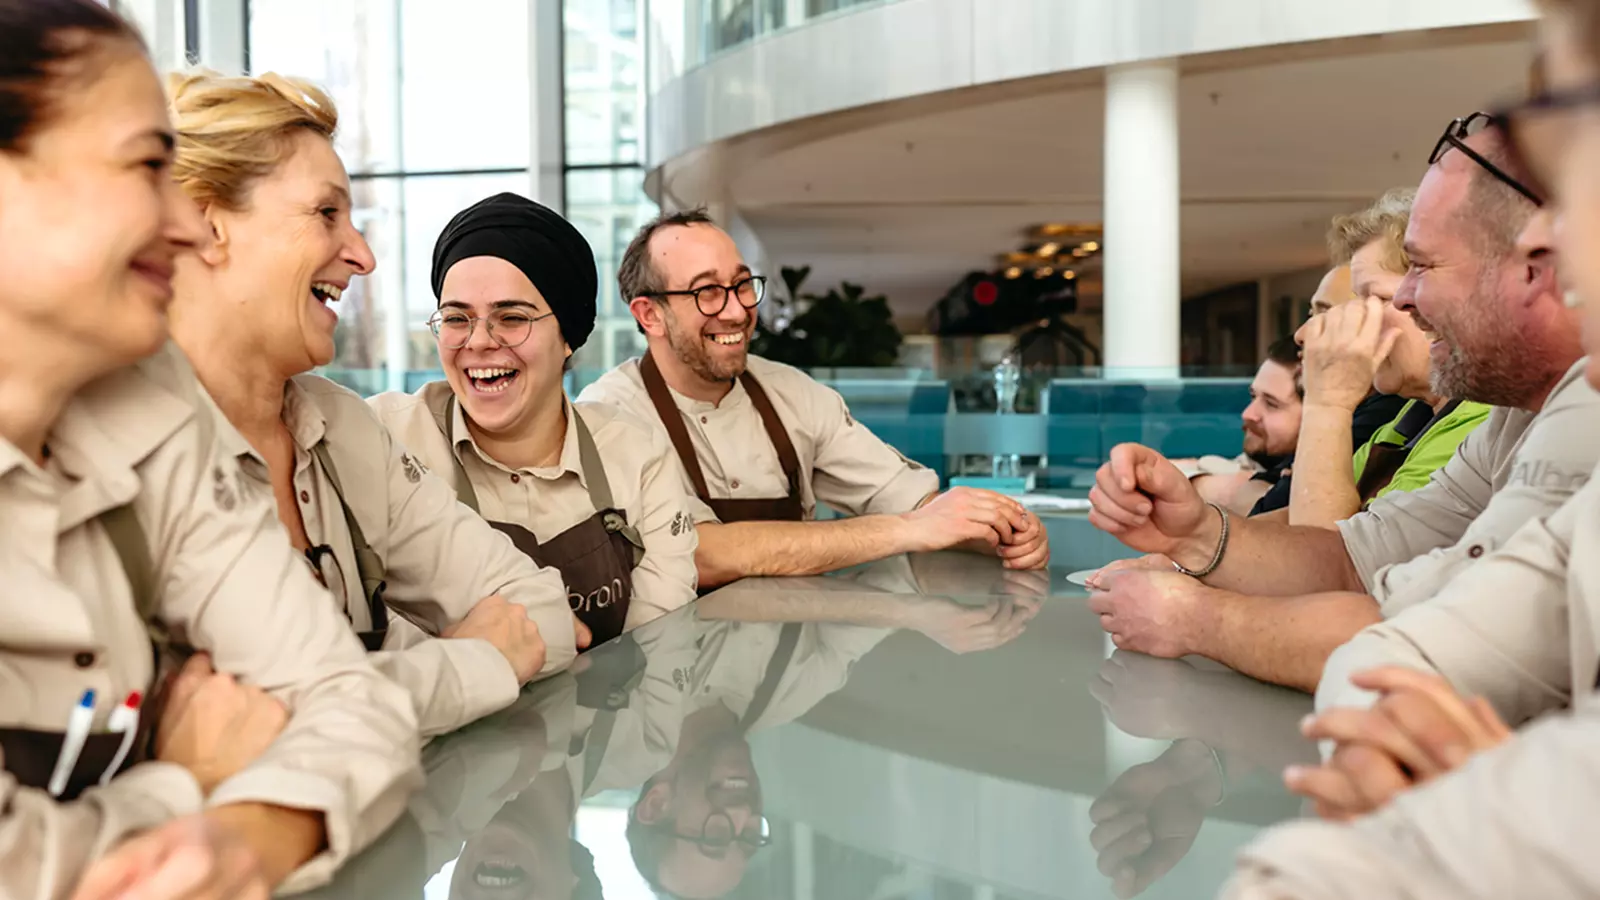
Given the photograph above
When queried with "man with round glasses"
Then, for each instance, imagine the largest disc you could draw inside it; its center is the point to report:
(761, 443)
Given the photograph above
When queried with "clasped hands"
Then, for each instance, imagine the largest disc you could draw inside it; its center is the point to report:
(1419, 729)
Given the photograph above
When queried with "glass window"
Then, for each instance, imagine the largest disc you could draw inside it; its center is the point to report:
(602, 68)
(350, 48)
(608, 206)
(464, 86)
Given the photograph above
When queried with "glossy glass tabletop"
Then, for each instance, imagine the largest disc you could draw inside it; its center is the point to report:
(928, 727)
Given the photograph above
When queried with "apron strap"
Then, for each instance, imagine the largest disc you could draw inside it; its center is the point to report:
(464, 491)
(775, 431)
(369, 566)
(788, 641)
(661, 398)
(594, 474)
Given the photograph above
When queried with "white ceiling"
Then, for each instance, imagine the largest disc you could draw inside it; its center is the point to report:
(908, 196)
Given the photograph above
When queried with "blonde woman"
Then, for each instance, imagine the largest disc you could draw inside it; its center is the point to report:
(254, 311)
(124, 528)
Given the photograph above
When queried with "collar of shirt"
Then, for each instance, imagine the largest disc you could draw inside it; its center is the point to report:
(735, 398)
(568, 463)
(106, 429)
(305, 420)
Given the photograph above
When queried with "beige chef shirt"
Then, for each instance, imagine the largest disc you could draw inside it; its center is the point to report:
(439, 557)
(228, 581)
(1518, 821)
(1516, 467)
(644, 480)
(1519, 628)
(842, 463)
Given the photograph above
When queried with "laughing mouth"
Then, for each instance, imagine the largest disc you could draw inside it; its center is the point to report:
(326, 292)
(730, 339)
(491, 381)
(498, 874)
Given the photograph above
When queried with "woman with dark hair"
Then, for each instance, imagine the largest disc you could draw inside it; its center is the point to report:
(125, 534)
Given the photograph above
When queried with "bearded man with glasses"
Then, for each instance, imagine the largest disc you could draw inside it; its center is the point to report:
(1277, 600)
(761, 443)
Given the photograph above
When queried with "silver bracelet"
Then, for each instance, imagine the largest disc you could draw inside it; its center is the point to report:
(1216, 558)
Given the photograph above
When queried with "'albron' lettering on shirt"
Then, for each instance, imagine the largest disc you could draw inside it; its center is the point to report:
(600, 598)
(1547, 475)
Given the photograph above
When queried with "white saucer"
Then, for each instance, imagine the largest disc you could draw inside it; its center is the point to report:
(1081, 578)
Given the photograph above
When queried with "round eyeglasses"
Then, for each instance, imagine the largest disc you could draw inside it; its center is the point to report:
(712, 299)
(506, 327)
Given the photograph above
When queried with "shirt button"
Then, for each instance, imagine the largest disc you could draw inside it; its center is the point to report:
(703, 420)
(305, 497)
(734, 484)
(516, 479)
(83, 660)
(1475, 551)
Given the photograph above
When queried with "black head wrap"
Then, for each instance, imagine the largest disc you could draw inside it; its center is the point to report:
(535, 239)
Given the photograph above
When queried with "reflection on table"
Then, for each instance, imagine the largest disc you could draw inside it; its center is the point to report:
(923, 727)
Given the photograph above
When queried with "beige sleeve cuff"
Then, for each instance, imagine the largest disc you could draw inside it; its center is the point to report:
(903, 492)
(451, 681)
(298, 789)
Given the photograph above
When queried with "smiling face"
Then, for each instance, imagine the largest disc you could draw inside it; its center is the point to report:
(1471, 291)
(1405, 371)
(283, 260)
(1272, 420)
(91, 221)
(685, 257)
(500, 387)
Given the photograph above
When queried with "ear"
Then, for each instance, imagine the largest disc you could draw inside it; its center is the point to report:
(568, 348)
(214, 251)
(655, 804)
(649, 315)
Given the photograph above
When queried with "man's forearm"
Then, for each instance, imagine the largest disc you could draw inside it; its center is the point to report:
(734, 550)
(1271, 558)
(1281, 640)
(1324, 489)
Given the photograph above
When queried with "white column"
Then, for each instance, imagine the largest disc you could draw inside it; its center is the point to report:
(547, 182)
(1141, 221)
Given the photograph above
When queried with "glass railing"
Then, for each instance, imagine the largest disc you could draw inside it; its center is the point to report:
(1066, 420)
(683, 34)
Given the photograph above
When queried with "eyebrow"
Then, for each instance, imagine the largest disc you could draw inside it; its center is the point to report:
(339, 191)
(498, 304)
(1413, 252)
(712, 273)
(168, 140)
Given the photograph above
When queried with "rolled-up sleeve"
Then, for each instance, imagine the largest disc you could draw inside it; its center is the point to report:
(855, 472)
(1516, 821)
(1499, 630)
(666, 578)
(451, 681)
(232, 581)
(443, 558)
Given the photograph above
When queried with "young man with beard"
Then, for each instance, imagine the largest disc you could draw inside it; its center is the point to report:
(1277, 599)
(762, 442)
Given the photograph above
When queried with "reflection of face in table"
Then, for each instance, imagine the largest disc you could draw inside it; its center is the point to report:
(524, 851)
(698, 822)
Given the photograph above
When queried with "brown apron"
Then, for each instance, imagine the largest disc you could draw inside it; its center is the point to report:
(30, 755)
(756, 509)
(596, 557)
(1385, 460)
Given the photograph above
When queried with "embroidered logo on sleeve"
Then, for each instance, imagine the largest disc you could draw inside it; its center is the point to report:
(681, 523)
(414, 469)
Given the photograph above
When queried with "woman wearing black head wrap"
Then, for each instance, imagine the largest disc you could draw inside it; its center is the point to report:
(586, 488)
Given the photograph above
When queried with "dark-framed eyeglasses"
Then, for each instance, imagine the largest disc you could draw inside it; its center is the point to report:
(324, 565)
(1454, 138)
(1537, 136)
(712, 299)
(507, 327)
(717, 834)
